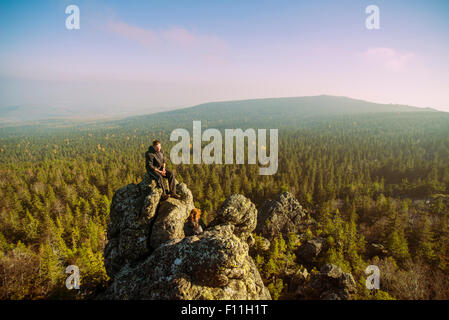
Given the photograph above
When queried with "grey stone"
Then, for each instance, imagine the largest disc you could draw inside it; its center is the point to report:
(282, 215)
(148, 255)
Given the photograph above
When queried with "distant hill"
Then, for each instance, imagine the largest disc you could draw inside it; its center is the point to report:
(268, 112)
(271, 111)
(305, 106)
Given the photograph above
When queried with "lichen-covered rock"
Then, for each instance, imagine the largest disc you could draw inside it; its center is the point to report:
(113, 261)
(149, 257)
(213, 265)
(172, 215)
(133, 209)
(151, 201)
(331, 271)
(240, 212)
(347, 282)
(332, 283)
(310, 250)
(265, 244)
(280, 216)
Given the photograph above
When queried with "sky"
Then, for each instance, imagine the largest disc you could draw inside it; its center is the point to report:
(135, 57)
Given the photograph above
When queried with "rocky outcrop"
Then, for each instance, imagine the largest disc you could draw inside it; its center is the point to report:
(214, 265)
(310, 250)
(282, 215)
(240, 212)
(331, 283)
(132, 212)
(148, 255)
(171, 218)
(133, 215)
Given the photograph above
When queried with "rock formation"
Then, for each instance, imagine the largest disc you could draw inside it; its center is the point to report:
(282, 215)
(149, 257)
(331, 283)
(310, 250)
(240, 212)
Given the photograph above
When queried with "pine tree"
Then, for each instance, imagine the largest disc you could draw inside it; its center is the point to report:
(425, 240)
(50, 272)
(397, 245)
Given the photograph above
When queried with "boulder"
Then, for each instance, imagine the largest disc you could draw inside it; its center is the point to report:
(148, 256)
(310, 250)
(213, 265)
(282, 215)
(332, 283)
(132, 212)
(265, 244)
(172, 215)
(241, 213)
(331, 271)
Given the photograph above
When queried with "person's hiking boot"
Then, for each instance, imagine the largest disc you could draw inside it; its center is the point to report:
(175, 195)
(165, 197)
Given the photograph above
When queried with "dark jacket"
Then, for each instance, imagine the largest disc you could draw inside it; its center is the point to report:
(153, 159)
(190, 230)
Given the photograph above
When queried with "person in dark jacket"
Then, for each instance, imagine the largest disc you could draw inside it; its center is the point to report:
(155, 165)
(194, 225)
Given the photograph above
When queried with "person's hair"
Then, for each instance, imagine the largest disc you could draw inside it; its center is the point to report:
(195, 214)
(156, 142)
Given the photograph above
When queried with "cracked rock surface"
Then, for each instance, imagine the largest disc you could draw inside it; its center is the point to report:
(148, 255)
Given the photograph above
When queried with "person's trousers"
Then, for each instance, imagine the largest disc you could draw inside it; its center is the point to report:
(171, 181)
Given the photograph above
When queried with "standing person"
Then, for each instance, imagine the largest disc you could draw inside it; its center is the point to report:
(155, 164)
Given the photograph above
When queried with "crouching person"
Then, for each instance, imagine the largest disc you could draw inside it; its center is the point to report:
(155, 165)
(193, 226)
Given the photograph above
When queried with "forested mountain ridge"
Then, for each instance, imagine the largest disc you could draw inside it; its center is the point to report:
(377, 186)
(275, 111)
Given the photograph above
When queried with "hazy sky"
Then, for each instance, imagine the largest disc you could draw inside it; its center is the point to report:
(147, 56)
